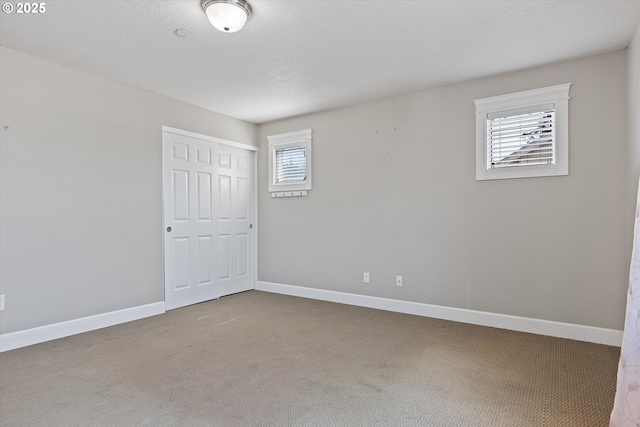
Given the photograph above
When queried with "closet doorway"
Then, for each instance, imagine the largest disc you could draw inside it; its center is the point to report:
(208, 187)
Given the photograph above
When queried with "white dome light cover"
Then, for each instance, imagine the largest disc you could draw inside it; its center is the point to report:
(227, 16)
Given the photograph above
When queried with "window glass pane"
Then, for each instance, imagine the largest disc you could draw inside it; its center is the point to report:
(291, 165)
(521, 139)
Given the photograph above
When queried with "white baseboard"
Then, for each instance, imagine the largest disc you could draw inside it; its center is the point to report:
(502, 321)
(593, 334)
(40, 334)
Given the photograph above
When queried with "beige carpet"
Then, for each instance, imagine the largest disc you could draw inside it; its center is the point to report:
(259, 359)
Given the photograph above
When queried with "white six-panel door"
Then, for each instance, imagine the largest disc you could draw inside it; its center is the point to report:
(208, 198)
(235, 221)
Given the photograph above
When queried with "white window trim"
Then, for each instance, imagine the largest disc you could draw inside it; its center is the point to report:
(286, 140)
(559, 96)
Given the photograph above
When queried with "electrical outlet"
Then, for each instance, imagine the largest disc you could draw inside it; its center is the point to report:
(398, 280)
(365, 278)
(1, 302)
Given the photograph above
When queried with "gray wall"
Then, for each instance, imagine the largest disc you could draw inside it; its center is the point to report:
(80, 185)
(394, 193)
(634, 131)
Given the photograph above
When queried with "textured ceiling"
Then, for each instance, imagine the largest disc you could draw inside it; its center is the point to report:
(300, 56)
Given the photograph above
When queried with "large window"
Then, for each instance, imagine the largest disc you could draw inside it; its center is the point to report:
(523, 134)
(290, 163)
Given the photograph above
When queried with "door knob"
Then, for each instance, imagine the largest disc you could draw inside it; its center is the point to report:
(169, 229)
(250, 225)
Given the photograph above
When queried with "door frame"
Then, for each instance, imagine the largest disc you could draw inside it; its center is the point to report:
(216, 140)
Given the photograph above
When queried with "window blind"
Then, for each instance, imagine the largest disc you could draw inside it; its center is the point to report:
(291, 165)
(521, 137)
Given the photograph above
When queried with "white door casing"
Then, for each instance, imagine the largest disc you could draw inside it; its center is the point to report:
(208, 208)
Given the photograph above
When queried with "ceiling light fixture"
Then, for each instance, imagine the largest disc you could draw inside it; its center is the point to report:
(227, 16)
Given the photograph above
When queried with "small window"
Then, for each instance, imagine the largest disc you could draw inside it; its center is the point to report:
(290, 163)
(524, 134)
